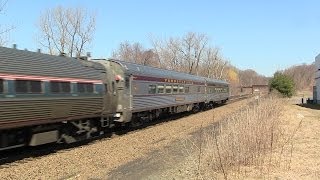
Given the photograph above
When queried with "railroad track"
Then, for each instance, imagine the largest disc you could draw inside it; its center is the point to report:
(8, 157)
(239, 97)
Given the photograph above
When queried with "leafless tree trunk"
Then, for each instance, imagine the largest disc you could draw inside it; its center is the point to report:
(191, 48)
(136, 53)
(168, 53)
(181, 54)
(158, 49)
(174, 60)
(66, 30)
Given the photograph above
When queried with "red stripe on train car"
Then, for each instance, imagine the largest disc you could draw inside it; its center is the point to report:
(166, 80)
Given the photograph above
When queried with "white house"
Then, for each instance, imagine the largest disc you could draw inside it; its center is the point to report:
(316, 89)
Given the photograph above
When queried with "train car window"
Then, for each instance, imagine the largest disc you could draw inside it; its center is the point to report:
(226, 89)
(21, 86)
(160, 89)
(152, 89)
(81, 88)
(1, 86)
(211, 90)
(127, 82)
(90, 88)
(54, 87)
(168, 89)
(218, 89)
(35, 86)
(27, 86)
(175, 89)
(181, 89)
(186, 89)
(65, 87)
(85, 87)
(60, 87)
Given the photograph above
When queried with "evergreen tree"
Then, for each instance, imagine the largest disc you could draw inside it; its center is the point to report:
(282, 83)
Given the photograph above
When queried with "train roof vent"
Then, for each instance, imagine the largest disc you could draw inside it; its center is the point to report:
(63, 54)
(85, 58)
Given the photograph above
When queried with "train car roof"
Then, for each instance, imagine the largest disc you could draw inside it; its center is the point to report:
(14, 61)
(137, 69)
(215, 81)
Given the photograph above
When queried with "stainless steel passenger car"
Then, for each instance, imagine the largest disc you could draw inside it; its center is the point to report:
(45, 98)
(143, 92)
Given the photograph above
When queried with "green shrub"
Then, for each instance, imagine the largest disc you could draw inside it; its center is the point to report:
(283, 84)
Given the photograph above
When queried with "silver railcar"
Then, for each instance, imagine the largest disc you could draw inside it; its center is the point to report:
(144, 93)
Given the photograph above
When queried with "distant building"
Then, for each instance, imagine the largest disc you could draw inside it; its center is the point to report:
(260, 89)
(255, 89)
(316, 88)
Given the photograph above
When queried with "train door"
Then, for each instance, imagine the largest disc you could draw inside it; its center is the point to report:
(110, 98)
(128, 87)
(127, 98)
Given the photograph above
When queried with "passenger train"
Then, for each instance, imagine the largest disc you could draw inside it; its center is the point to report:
(46, 99)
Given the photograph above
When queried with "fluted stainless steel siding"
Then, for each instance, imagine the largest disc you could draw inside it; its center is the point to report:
(48, 108)
(217, 96)
(14, 61)
(142, 103)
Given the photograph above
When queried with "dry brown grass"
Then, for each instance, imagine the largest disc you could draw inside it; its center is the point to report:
(251, 139)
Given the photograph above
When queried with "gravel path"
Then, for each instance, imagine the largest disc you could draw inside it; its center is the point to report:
(100, 157)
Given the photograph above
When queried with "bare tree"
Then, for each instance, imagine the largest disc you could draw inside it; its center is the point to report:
(4, 29)
(66, 30)
(191, 48)
(181, 53)
(250, 77)
(136, 53)
(303, 75)
(123, 52)
(168, 53)
(213, 65)
(191, 54)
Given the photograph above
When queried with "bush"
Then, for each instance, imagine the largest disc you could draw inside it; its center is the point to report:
(250, 139)
(283, 84)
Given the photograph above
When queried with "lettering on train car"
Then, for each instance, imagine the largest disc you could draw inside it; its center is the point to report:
(180, 98)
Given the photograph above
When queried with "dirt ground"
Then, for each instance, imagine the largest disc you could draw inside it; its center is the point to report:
(300, 159)
(160, 152)
(98, 158)
(305, 161)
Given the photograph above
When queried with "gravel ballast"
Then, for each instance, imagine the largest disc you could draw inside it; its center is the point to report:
(98, 158)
